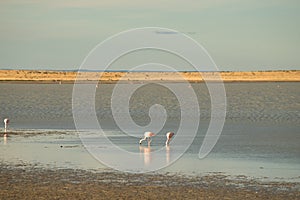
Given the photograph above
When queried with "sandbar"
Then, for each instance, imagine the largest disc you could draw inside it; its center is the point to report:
(40, 76)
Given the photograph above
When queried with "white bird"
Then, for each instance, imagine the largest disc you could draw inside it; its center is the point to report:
(169, 136)
(6, 122)
(147, 136)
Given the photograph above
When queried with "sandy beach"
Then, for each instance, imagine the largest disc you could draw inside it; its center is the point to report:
(112, 77)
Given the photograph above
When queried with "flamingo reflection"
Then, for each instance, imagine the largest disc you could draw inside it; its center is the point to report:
(4, 139)
(146, 151)
(168, 154)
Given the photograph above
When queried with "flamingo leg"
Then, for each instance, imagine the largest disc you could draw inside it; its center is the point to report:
(5, 127)
(167, 142)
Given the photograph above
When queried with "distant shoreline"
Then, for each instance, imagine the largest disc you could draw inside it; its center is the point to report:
(56, 77)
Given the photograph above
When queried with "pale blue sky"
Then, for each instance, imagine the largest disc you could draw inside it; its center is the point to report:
(238, 34)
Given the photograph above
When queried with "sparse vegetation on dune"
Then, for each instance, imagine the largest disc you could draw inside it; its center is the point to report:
(71, 76)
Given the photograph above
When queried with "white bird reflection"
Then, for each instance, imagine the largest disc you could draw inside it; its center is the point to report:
(146, 151)
(168, 154)
(148, 156)
(5, 139)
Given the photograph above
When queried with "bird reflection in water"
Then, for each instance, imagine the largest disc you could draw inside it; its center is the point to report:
(5, 139)
(146, 151)
(168, 153)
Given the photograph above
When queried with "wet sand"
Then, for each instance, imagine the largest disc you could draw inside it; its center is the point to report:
(37, 76)
(30, 182)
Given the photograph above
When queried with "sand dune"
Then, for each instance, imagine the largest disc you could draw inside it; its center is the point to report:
(61, 76)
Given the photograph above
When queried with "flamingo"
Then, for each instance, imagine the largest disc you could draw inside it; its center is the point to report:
(147, 136)
(6, 122)
(169, 136)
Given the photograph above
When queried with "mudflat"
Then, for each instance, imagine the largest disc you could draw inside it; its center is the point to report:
(23, 182)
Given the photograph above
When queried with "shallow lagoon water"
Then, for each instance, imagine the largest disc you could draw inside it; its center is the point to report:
(58, 149)
(260, 138)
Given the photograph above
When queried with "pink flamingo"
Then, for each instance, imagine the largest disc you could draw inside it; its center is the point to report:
(147, 136)
(169, 136)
